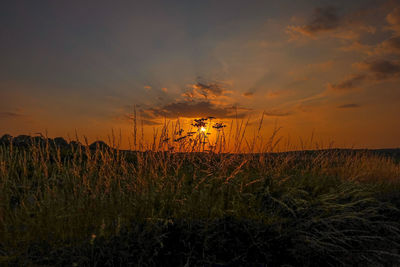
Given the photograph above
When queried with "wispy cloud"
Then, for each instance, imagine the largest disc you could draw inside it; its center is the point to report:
(322, 20)
(205, 90)
(329, 20)
(200, 99)
(349, 83)
(194, 109)
(277, 113)
(141, 119)
(149, 122)
(381, 69)
(248, 94)
(374, 71)
(389, 46)
(358, 47)
(10, 114)
(393, 18)
(352, 105)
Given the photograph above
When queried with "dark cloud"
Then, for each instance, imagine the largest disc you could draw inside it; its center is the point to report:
(194, 109)
(248, 94)
(349, 106)
(350, 83)
(144, 118)
(202, 99)
(382, 69)
(140, 120)
(375, 71)
(205, 90)
(394, 43)
(211, 88)
(343, 26)
(9, 114)
(389, 46)
(323, 19)
(393, 18)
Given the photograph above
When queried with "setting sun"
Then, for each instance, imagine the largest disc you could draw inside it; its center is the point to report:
(203, 129)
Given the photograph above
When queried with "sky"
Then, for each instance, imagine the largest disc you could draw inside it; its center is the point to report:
(329, 69)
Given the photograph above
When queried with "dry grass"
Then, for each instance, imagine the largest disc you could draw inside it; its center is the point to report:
(286, 208)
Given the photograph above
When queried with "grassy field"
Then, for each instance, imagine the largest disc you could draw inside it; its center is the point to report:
(85, 206)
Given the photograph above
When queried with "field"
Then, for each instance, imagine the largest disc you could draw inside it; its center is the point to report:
(81, 205)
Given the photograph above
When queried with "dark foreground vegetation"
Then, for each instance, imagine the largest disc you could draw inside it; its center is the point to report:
(77, 205)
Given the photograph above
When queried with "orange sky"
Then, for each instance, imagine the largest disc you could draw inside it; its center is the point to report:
(313, 68)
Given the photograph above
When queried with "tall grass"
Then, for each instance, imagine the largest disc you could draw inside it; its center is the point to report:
(85, 206)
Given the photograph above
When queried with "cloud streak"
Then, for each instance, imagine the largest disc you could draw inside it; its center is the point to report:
(193, 110)
(9, 114)
(277, 113)
(248, 94)
(349, 83)
(381, 69)
(374, 71)
(345, 106)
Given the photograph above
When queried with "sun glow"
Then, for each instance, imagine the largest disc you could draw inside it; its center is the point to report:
(203, 129)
